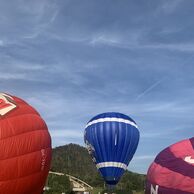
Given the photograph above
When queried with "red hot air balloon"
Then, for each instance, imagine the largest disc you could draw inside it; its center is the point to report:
(172, 171)
(25, 147)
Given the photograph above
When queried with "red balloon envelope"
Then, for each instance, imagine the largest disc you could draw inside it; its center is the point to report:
(172, 171)
(25, 147)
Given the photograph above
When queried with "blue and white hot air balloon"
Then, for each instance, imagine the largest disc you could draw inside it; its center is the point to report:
(111, 139)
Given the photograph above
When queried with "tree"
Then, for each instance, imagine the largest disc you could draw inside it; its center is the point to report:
(58, 184)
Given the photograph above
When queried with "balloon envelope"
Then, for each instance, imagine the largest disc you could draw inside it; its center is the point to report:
(25, 147)
(172, 171)
(111, 139)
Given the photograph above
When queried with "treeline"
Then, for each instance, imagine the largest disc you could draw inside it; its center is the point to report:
(74, 160)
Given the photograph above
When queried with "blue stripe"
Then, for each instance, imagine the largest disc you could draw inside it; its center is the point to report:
(112, 114)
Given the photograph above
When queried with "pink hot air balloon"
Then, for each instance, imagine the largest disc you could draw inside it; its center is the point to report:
(172, 171)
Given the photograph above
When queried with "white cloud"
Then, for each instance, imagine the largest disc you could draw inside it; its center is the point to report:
(2, 43)
(14, 76)
(104, 39)
(66, 136)
(144, 157)
(67, 133)
(28, 66)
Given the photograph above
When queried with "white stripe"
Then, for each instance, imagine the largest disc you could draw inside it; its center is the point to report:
(111, 164)
(113, 119)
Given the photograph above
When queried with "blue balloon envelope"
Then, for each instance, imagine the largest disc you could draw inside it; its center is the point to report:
(111, 140)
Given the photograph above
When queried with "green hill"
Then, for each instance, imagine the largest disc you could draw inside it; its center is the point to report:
(74, 159)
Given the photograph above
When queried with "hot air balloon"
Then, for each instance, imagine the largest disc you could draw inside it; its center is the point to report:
(25, 147)
(111, 140)
(172, 171)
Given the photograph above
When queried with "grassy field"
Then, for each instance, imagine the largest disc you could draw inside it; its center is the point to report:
(99, 190)
(139, 192)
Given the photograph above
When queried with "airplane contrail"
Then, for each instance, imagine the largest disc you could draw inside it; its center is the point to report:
(149, 89)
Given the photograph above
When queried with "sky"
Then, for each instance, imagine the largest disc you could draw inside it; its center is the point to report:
(72, 60)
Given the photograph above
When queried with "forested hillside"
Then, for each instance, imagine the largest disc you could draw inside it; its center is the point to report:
(74, 160)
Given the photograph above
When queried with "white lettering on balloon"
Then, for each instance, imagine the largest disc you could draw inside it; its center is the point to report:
(91, 150)
(154, 190)
(43, 159)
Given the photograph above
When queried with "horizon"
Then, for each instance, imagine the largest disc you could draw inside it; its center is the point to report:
(73, 60)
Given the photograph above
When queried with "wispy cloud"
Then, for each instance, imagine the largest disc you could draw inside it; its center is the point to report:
(171, 6)
(105, 39)
(135, 42)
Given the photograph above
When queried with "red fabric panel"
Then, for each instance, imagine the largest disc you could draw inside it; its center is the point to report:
(20, 124)
(24, 165)
(182, 149)
(24, 185)
(23, 144)
(169, 179)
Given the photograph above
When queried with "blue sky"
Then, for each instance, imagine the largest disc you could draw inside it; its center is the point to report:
(74, 59)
